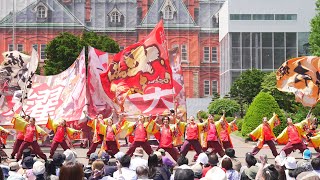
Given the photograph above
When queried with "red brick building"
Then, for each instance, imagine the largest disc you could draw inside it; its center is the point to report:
(190, 24)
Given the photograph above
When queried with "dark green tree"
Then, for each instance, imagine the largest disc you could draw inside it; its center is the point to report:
(264, 105)
(285, 100)
(64, 49)
(314, 38)
(246, 87)
(230, 106)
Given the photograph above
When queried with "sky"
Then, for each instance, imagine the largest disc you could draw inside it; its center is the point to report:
(7, 5)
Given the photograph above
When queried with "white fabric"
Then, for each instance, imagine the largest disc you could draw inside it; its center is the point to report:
(128, 174)
(136, 162)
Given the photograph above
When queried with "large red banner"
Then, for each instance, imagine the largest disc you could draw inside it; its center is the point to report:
(139, 79)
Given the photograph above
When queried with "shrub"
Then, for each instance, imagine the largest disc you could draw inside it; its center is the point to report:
(230, 106)
(239, 124)
(263, 105)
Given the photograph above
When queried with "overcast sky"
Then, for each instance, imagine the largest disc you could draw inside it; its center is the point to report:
(7, 5)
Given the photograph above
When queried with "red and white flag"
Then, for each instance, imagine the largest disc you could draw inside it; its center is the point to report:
(98, 101)
(139, 79)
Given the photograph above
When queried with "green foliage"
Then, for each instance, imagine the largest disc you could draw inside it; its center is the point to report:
(64, 49)
(264, 105)
(239, 124)
(230, 106)
(246, 87)
(285, 100)
(314, 38)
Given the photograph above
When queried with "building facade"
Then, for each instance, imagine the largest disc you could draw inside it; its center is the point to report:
(191, 25)
(262, 35)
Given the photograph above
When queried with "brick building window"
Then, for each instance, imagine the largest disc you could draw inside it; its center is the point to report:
(168, 13)
(20, 47)
(214, 54)
(10, 47)
(206, 87)
(115, 17)
(206, 54)
(41, 12)
(42, 52)
(184, 52)
(214, 86)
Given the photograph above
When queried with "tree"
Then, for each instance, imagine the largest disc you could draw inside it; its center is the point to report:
(230, 106)
(63, 50)
(314, 38)
(285, 100)
(264, 105)
(246, 87)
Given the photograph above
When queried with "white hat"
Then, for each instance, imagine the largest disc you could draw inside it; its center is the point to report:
(216, 173)
(38, 168)
(203, 158)
(280, 159)
(119, 155)
(14, 166)
(290, 163)
(70, 156)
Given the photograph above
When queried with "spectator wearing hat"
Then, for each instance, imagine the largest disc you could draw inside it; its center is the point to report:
(251, 170)
(39, 170)
(215, 173)
(125, 164)
(137, 160)
(166, 161)
(13, 173)
(290, 165)
(306, 160)
(92, 158)
(236, 164)
(108, 169)
(70, 156)
(211, 137)
(27, 165)
(201, 162)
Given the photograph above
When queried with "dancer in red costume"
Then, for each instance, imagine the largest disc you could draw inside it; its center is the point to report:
(32, 133)
(19, 139)
(224, 129)
(211, 137)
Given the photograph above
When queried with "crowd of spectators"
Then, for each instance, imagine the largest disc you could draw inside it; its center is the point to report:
(64, 166)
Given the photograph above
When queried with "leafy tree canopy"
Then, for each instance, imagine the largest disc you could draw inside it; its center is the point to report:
(314, 38)
(64, 49)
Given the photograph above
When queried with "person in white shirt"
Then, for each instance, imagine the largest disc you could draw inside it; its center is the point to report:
(124, 170)
(137, 160)
(13, 173)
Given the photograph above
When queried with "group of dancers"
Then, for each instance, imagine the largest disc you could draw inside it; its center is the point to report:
(170, 131)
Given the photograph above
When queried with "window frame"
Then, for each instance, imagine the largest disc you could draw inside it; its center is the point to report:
(206, 92)
(10, 47)
(168, 13)
(216, 84)
(216, 54)
(20, 46)
(115, 17)
(42, 52)
(206, 52)
(184, 53)
(41, 12)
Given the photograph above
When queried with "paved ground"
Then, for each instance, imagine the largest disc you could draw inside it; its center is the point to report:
(240, 147)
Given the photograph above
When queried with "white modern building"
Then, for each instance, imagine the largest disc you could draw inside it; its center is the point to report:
(261, 34)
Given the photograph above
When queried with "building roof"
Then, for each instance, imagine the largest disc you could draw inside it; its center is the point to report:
(57, 16)
(181, 19)
(208, 10)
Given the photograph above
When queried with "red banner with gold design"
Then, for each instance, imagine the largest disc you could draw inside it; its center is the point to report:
(139, 79)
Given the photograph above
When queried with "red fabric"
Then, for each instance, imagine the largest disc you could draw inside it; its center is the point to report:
(166, 137)
(20, 135)
(224, 135)
(110, 134)
(30, 133)
(192, 132)
(267, 132)
(59, 136)
(212, 134)
(140, 133)
(205, 170)
(293, 134)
